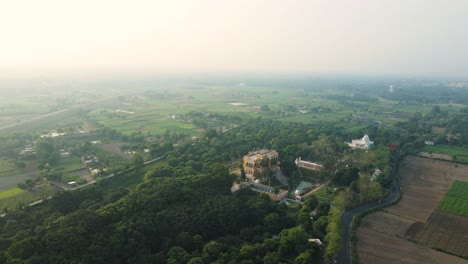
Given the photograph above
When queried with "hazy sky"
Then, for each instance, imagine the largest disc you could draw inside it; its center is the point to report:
(406, 37)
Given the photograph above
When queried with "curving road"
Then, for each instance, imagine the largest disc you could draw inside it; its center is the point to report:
(344, 257)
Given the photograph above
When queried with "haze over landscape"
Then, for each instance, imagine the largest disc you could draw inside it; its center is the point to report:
(249, 131)
(422, 38)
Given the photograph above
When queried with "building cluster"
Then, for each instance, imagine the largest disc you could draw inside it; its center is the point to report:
(255, 165)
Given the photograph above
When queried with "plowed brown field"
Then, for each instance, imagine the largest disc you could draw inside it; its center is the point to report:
(408, 231)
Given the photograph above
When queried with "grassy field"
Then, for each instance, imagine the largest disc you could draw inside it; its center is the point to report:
(155, 111)
(68, 164)
(125, 180)
(6, 167)
(10, 192)
(17, 197)
(456, 199)
(459, 154)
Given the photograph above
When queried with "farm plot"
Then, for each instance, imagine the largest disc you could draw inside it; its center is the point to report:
(12, 198)
(445, 231)
(410, 231)
(387, 223)
(114, 148)
(377, 247)
(423, 183)
(456, 199)
(458, 154)
(6, 167)
(69, 164)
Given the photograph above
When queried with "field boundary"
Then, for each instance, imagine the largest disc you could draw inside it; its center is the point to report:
(453, 160)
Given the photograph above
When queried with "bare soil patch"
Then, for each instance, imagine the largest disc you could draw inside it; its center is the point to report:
(387, 223)
(410, 231)
(376, 247)
(445, 231)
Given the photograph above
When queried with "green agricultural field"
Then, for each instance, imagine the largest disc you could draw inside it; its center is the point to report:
(6, 167)
(69, 164)
(459, 154)
(10, 199)
(313, 117)
(456, 199)
(10, 192)
(152, 112)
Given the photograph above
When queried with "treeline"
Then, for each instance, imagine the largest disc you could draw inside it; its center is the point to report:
(174, 219)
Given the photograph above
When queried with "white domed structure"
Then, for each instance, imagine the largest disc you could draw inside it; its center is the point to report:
(364, 143)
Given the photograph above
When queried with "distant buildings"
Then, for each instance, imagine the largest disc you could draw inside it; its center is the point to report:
(308, 165)
(364, 143)
(255, 163)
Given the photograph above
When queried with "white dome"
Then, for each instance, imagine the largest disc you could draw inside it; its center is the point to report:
(366, 139)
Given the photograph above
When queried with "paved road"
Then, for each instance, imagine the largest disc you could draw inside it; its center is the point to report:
(346, 220)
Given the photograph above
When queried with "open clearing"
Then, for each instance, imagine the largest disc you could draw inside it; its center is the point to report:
(410, 231)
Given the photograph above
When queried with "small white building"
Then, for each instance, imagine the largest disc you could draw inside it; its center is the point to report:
(363, 143)
(429, 143)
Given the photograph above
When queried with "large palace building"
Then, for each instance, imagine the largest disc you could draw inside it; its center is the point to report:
(255, 162)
